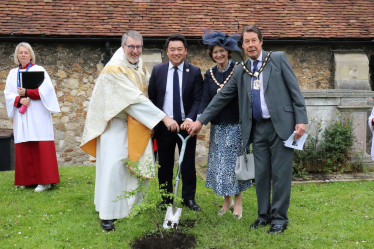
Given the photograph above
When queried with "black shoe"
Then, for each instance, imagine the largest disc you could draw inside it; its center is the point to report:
(107, 225)
(164, 204)
(277, 228)
(259, 223)
(192, 205)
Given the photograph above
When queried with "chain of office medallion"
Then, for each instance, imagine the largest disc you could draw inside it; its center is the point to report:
(256, 74)
(224, 83)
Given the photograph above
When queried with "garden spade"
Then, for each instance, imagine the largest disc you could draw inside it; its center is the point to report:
(173, 213)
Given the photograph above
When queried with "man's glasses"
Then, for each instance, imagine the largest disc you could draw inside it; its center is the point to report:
(132, 47)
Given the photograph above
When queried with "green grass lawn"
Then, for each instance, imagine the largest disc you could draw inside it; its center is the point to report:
(339, 215)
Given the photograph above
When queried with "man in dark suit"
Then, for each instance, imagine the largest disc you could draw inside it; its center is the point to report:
(176, 88)
(271, 107)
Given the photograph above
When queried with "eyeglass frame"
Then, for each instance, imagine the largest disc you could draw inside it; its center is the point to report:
(139, 47)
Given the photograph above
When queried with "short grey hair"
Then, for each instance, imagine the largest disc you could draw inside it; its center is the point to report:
(28, 47)
(132, 33)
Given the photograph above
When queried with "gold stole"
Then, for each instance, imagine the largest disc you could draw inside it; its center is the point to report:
(138, 134)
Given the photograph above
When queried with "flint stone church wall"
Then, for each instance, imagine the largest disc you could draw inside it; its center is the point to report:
(74, 69)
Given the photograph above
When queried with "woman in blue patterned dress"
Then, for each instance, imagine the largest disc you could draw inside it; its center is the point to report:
(225, 134)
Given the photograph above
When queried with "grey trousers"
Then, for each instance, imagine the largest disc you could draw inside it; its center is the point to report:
(273, 164)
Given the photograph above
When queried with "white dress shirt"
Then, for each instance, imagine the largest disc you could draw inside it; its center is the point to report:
(168, 101)
(264, 107)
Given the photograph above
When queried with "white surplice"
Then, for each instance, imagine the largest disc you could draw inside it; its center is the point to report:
(372, 131)
(121, 89)
(36, 123)
(112, 175)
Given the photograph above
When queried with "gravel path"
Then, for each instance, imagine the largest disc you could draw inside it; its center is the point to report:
(318, 177)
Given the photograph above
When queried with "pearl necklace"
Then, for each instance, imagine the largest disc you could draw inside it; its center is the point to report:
(224, 83)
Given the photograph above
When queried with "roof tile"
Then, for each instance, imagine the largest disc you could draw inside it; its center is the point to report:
(156, 18)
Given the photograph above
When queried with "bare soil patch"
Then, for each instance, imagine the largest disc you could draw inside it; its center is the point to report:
(173, 240)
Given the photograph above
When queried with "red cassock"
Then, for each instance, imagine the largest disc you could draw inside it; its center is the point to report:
(35, 161)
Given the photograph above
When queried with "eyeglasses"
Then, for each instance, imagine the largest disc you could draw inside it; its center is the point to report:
(132, 47)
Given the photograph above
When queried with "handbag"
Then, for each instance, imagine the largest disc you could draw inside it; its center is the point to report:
(245, 167)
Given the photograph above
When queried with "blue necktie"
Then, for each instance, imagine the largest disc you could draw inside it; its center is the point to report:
(256, 99)
(177, 115)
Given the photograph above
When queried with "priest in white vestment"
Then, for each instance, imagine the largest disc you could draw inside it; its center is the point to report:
(118, 125)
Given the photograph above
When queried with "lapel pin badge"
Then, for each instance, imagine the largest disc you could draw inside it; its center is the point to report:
(187, 70)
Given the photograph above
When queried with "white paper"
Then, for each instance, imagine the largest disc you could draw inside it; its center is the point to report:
(295, 144)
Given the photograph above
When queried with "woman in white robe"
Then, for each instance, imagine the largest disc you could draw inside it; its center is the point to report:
(35, 154)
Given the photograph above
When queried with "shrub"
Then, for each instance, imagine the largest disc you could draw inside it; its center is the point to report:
(338, 141)
(148, 193)
(331, 154)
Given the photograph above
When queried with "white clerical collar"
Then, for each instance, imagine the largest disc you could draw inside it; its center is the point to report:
(259, 58)
(180, 67)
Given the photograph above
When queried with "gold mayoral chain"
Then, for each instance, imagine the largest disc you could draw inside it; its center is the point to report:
(257, 83)
(224, 83)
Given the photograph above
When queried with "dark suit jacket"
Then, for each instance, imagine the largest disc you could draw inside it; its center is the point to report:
(282, 93)
(192, 87)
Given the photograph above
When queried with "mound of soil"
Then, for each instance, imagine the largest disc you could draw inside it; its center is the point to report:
(172, 240)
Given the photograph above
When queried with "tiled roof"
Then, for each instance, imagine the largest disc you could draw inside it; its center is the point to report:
(159, 18)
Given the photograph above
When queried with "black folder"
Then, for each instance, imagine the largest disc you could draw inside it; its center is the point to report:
(31, 80)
